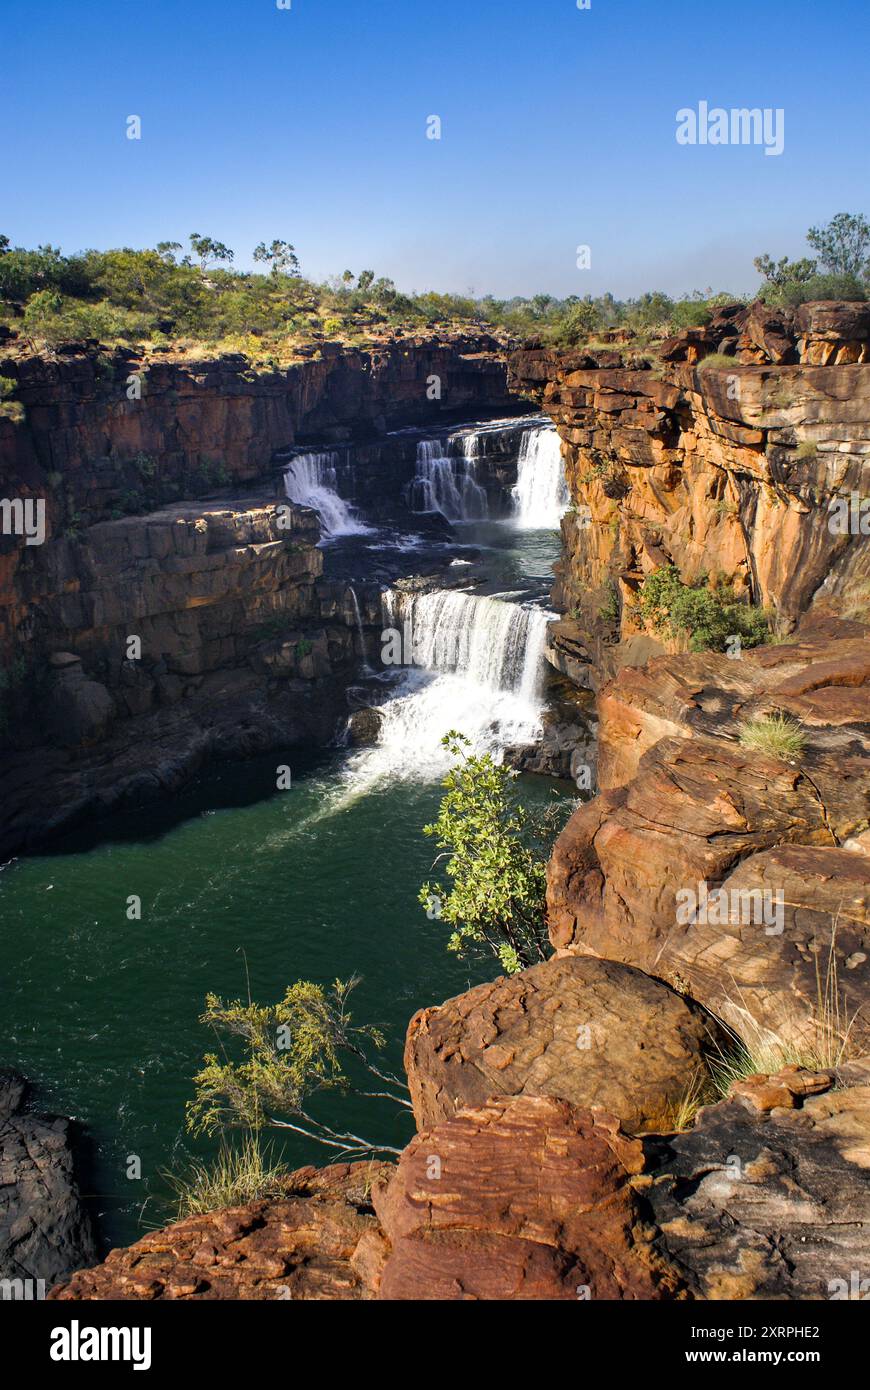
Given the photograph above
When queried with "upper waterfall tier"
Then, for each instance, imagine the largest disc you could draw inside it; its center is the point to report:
(541, 492)
(310, 481)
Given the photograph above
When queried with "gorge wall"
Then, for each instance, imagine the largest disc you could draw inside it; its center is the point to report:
(723, 458)
(162, 525)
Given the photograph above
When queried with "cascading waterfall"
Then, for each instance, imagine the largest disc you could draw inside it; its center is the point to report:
(474, 664)
(310, 481)
(447, 482)
(541, 494)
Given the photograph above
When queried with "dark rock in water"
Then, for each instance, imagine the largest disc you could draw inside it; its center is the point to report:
(45, 1232)
(364, 726)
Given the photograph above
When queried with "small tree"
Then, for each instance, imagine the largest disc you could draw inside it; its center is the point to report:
(280, 256)
(206, 249)
(843, 245)
(784, 271)
(294, 1050)
(496, 860)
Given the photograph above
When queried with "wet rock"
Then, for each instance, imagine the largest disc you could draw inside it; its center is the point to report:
(364, 726)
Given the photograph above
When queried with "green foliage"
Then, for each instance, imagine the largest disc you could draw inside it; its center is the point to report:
(784, 271)
(775, 735)
(292, 1051)
(496, 857)
(609, 610)
(793, 293)
(240, 1174)
(707, 616)
(843, 244)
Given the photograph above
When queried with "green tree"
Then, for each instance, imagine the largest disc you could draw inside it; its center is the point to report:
(280, 256)
(206, 249)
(843, 244)
(496, 861)
(784, 271)
(292, 1051)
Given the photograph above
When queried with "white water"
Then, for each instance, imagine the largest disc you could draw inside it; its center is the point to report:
(541, 493)
(447, 483)
(478, 665)
(310, 481)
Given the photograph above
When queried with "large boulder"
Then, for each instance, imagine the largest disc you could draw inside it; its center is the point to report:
(45, 1232)
(522, 1198)
(592, 1032)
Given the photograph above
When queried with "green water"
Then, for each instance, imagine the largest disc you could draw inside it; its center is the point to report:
(237, 880)
(101, 1012)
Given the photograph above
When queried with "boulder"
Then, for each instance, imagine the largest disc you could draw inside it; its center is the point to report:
(45, 1232)
(520, 1198)
(592, 1032)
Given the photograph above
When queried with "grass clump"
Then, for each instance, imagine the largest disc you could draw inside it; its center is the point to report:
(707, 616)
(775, 735)
(240, 1174)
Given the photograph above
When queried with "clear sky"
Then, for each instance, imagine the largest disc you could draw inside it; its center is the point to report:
(558, 129)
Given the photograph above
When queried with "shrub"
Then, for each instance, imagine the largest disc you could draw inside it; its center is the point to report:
(497, 860)
(794, 292)
(775, 735)
(672, 607)
(238, 1175)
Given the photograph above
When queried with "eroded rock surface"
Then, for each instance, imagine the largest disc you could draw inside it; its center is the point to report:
(45, 1232)
(769, 1205)
(687, 805)
(524, 1198)
(589, 1031)
(320, 1242)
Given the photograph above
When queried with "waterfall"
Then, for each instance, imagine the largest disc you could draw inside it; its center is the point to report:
(446, 482)
(310, 481)
(477, 668)
(365, 667)
(541, 494)
(494, 645)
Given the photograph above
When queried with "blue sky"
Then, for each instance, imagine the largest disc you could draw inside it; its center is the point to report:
(557, 130)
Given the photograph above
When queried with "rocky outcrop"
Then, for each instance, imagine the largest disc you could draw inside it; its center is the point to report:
(149, 644)
(781, 840)
(770, 1202)
(45, 1232)
(764, 1196)
(589, 1031)
(523, 1198)
(728, 469)
(321, 1241)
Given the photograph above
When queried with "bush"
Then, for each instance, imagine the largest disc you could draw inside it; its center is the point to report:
(497, 860)
(672, 607)
(794, 292)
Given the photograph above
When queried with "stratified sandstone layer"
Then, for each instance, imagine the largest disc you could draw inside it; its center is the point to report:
(727, 470)
(589, 1031)
(686, 804)
(320, 1242)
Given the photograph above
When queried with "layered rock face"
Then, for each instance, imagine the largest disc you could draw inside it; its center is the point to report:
(137, 646)
(728, 468)
(155, 642)
(683, 804)
(766, 1196)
